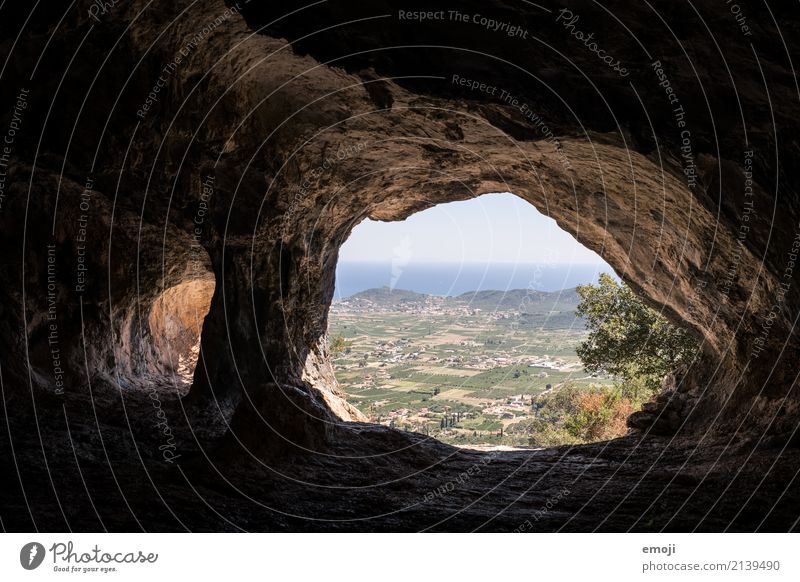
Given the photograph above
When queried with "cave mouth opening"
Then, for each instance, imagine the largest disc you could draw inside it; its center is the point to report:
(459, 323)
(175, 323)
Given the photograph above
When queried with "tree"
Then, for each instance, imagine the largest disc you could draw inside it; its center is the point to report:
(628, 339)
(337, 345)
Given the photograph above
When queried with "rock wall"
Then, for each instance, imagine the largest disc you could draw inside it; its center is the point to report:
(191, 139)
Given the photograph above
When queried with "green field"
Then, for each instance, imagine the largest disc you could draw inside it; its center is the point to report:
(460, 374)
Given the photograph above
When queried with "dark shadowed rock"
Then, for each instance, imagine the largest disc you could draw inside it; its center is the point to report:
(172, 153)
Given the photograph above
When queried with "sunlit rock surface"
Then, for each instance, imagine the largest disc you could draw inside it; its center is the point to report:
(186, 160)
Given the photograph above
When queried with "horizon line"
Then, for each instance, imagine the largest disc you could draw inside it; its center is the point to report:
(466, 292)
(388, 261)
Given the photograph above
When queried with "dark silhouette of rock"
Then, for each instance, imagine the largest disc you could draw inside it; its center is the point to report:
(161, 150)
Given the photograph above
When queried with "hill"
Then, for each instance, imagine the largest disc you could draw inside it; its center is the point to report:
(387, 298)
(522, 300)
(526, 301)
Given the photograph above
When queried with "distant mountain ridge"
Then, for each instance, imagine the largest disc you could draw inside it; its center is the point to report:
(522, 300)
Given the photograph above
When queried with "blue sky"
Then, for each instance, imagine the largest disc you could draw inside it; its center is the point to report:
(493, 228)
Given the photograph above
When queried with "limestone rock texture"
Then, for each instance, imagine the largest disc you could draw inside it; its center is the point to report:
(181, 162)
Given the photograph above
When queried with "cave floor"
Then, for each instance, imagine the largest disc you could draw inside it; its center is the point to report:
(97, 462)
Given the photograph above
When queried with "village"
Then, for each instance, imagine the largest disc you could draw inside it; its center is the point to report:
(447, 369)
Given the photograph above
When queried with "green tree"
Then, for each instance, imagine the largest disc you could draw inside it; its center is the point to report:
(337, 345)
(628, 339)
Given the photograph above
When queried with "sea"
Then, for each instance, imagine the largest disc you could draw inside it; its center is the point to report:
(450, 279)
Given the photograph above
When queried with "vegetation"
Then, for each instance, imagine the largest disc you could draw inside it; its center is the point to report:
(628, 339)
(337, 345)
(523, 368)
(413, 361)
(573, 415)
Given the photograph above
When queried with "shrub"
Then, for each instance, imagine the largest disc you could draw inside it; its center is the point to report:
(628, 339)
(571, 415)
(337, 345)
(601, 415)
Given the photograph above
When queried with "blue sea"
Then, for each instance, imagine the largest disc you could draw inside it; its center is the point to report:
(457, 278)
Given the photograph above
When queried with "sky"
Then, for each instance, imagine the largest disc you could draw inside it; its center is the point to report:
(493, 228)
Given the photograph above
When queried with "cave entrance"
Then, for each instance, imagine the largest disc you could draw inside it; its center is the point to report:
(175, 323)
(460, 323)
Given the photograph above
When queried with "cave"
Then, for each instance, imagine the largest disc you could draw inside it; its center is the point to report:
(175, 323)
(190, 170)
(461, 323)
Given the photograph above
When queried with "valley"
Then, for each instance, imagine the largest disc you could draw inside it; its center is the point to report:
(467, 370)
